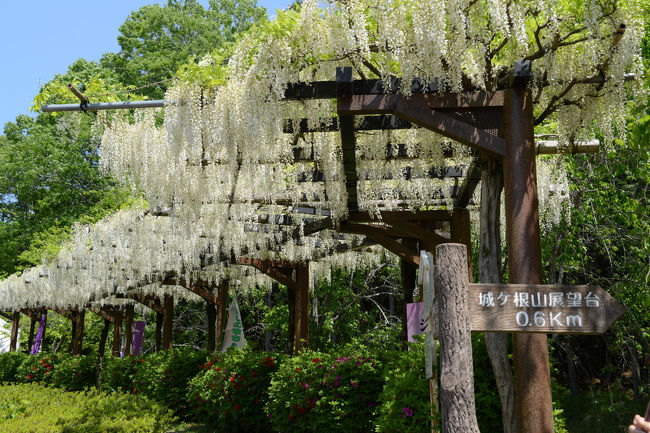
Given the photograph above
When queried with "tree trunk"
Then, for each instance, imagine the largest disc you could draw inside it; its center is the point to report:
(73, 330)
(117, 334)
(302, 307)
(30, 341)
(291, 326)
(458, 408)
(268, 337)
(490, 272)
(222, 298)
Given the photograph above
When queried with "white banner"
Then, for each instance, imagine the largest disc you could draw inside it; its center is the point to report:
(234, 333)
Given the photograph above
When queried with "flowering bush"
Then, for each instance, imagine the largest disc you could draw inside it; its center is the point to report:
(37, 368)
(9, 363)
(232, 390)
(317, 392)
(164, 376)
(74, 373)
(405, 399)
(117, 373)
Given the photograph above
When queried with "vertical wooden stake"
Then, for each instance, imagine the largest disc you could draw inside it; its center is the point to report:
(32, 327)
(302, 307)
(168, 322)
(291, 326)
(408, 284)
(456, 370)
(128, 330)
(15, 323)
(117, 334)
(532, 374)
(461, 233)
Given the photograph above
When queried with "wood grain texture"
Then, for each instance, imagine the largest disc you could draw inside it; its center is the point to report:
(456, 370)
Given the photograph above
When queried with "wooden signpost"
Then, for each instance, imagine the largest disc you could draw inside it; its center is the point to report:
(542, 308)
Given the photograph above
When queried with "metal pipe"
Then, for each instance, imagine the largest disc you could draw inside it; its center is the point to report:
(122, 105)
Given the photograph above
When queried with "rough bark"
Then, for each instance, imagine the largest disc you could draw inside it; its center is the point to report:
(117, 334)
(15, 323)
(490, 272)
(78, 318)
(222, 296)
(458, 408)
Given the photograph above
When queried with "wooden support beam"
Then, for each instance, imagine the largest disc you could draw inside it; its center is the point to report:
(408, 285)
(532, 374)
(117, 333)
(348, 137)
(407, 228)
(211, 316)
(382, 236)
(15, 324)
(103, 313)
(279, 271)
(32, 329)
(461, 233)
(78, 336)
(128, 329)
(158, 335)
(222, 298)
(6, 316)
(168, 322)
(302, 307)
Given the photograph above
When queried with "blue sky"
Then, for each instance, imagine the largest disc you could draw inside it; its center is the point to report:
(40, 38)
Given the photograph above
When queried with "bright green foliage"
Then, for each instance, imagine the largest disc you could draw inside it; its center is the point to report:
(36, 409)
(74, 373)
(9, 364)
(405, 403)
(38, 368)
(232, 389)
(318, 392)
(156, 40)
(117, 373)
(164, 376)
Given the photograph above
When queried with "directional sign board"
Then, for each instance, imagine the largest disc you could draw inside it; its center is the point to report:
(542, 308)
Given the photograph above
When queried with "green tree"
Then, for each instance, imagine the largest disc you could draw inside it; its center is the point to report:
(156, 40)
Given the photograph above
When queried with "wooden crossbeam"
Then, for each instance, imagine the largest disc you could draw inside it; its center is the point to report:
(407, 173)
(278, 270)
(469, 185)
(382, 236)
(327, 89)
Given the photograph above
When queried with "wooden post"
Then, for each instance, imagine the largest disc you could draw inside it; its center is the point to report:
(456, 370)
(168, 322)
(128, 330)
(15, 323)
(158, 336)
(211, 314)
(408, 284)
(101, 351)
(532, 375)
(302, 307)
(291, 326)
(73, 329)
(222, 298)
(78, 318)
(30, 341)
(117, 334)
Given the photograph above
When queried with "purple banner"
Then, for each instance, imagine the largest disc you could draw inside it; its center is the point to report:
(36, 347)
(415, 323)
(138, 337)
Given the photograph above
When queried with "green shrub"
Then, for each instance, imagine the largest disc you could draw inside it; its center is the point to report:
(9, 364)
(118, 373)
(316, 392)
(164, 376)
(34, 408)
(488, 402)
(405, 402)
(74, 373)
(232, 390)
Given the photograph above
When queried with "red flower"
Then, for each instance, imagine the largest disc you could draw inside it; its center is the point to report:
(254, 373)
(290, 417)
(232, 378)
(236, 406)
(316, 360)
(297, 370)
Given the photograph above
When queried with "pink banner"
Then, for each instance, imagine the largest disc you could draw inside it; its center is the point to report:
(416, 324)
